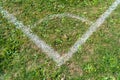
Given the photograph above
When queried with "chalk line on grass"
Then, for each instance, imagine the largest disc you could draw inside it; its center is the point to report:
(89, 32)
(53, 16)
(41, 44)
(46, 48)
(27, 31)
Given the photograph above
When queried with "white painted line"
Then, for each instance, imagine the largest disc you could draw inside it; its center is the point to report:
(47, 49)
(41, 44)
(53, 16)
(89, 32)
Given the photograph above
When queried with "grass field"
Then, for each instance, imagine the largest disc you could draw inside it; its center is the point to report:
(97, 59)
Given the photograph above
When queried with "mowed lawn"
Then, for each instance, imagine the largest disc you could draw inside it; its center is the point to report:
(97, 59)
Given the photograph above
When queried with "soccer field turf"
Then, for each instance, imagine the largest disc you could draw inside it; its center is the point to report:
(57, 24)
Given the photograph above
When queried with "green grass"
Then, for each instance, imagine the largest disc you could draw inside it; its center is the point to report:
(97, 59)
